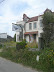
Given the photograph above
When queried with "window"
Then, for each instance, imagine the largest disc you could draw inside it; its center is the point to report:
(35, 25)
(30, 26)
(41, 24)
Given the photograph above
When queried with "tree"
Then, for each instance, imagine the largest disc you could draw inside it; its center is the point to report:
(48, 27)
(15, 37)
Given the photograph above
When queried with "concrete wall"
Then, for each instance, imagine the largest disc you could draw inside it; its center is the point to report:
(3, 35)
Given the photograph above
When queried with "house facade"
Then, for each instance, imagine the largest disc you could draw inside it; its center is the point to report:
(31, 30)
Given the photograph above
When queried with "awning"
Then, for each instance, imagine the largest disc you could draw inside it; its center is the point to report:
(35, 32)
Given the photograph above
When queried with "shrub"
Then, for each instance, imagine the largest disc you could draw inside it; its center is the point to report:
(52, 45)
(47, 60)
(0, 46)
(20, 45)
(32, 45)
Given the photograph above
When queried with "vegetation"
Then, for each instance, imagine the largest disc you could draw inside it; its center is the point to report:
(0, 46)
(20, 53)
(32, 45)
(15, 37)
(47, 60)
(20, 45)
(48, 27)
(9, 38)
(11, 43)
(28, 58)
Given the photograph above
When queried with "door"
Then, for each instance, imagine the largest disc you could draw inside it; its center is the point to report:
(34, 37)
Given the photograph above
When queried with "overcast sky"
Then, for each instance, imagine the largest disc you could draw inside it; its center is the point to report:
(13, 10)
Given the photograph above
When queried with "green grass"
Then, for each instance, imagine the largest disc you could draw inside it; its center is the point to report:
(0, 46)
(28, 58)
(12, 43)
(32, 45)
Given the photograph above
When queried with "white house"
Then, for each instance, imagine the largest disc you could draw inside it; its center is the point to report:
(32, 28)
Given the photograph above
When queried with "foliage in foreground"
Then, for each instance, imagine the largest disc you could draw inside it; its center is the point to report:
(48, 27)
(45, 63)
(32, 45)
(15, 37)
(0, 46)
(47, 60)
(20, 45)
(28, 58)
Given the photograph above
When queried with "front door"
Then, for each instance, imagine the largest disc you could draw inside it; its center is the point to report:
(34, 37)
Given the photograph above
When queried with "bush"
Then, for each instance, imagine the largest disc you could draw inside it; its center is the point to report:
(45, 63)
(20, 45)
(0, 46)
(52, 45)
(32, 45)
(47, 60)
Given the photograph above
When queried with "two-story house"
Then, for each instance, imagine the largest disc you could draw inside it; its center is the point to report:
(32, 28)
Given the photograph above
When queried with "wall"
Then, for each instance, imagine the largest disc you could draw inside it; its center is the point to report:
(3, 35)
(17, 33)
(27, 38)
(39, 29)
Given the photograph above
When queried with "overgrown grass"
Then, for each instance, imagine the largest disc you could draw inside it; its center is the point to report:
(11, 43)
(28, 58)
(0, 46)
(25, 57)
(32, 45)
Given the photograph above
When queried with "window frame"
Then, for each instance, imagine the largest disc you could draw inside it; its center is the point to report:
(30, 26)
(34, 25)
(41, 24)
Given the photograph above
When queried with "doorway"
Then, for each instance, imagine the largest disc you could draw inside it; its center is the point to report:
(34, 37)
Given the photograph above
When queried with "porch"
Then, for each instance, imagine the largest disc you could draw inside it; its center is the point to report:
(31, 36)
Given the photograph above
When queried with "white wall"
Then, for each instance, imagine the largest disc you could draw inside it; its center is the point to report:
(27, 38)
(17, 33)
(17, 36)
(39, 29)
(3, 35)
(27, 27)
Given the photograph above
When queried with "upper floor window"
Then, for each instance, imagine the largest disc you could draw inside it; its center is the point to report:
(30, 26)
(34, 25)
(41, 24)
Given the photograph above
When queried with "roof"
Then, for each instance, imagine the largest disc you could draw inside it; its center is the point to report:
(24, 15)
(36, 17)
(35, 32)
(33, 19)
